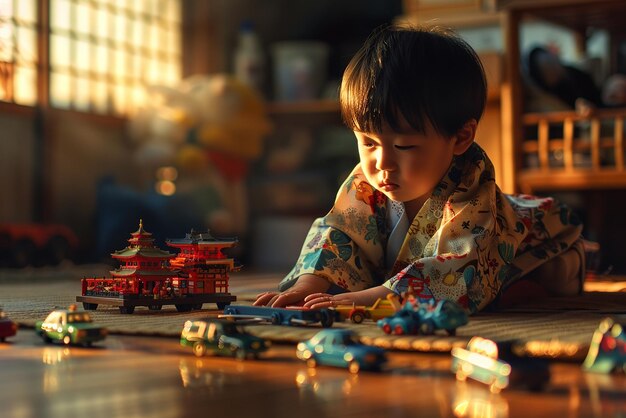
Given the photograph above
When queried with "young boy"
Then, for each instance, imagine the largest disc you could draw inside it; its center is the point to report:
(422, 208)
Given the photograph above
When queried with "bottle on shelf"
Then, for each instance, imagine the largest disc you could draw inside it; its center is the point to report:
(249, 58)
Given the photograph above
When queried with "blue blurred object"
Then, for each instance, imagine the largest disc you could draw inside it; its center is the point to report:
(119, 207)
(607, 351)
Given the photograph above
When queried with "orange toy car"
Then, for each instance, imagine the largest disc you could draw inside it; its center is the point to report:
(382, 308)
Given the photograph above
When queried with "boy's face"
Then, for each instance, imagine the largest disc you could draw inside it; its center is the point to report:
(406, 166)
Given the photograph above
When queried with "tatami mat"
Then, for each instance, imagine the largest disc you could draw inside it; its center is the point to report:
(556, 327)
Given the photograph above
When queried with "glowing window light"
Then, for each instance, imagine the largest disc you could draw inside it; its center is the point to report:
(167, 173)
(18, 60)
(117, 47)
(165, 187)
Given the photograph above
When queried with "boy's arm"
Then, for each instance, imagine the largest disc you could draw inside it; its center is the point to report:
(305, 285)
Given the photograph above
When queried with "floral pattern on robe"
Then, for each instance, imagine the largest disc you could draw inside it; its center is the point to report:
(468, 242)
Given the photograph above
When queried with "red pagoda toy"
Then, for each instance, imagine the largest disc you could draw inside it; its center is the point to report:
(149, 276)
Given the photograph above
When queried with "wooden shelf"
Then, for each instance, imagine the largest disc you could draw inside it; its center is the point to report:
(531, 181)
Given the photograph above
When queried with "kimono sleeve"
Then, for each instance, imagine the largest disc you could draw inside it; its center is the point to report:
(346, 246)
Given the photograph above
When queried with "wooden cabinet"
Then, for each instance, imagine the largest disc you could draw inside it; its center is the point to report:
(597, 136)
(451, 13)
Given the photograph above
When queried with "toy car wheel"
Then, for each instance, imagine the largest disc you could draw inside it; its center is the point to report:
(312, 363)
(357, 317)
(220, 305)
(494, 388)
(197, 307)
(354, 367)
(23, 253)
(180, 307)
(427, 328)
(45, 337)
(276, 318)
(57, 250)
(327, 318)
(67, 339)
(398, 330)
(199, 349)
(5, 248)
(387, 329)
(90, 306)
(240, 354)
(127, 309)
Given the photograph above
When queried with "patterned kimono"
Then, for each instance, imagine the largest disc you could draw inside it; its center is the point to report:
(468, 242)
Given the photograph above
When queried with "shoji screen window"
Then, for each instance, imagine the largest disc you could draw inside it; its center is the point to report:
(104, 52)
(18, 51)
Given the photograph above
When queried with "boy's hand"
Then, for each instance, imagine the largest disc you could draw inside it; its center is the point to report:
(306, 285)
(361, 297)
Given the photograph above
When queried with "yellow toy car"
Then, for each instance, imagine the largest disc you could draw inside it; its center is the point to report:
(382, 308)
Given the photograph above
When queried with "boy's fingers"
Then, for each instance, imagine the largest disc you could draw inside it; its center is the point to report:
(322, 300)
(285, 299)
(313, 296)
(263, 298)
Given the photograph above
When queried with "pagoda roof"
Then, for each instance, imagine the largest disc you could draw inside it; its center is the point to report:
(201, 238)
(148, 252)
(142, 273)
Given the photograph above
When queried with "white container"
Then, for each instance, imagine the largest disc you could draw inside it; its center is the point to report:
(300, 69)
(249, 60)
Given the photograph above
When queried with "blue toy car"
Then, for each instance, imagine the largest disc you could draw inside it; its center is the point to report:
(340, 348)
(607, 351)
(281, 316)
(479, 361)
(425, 318)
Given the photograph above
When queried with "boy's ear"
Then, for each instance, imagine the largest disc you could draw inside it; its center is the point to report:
(465, 136)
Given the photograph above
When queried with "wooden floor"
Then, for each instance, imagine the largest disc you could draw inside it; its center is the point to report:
(128, 376)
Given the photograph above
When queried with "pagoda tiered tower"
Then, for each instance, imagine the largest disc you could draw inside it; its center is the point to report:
(202, 261)
(141, 263)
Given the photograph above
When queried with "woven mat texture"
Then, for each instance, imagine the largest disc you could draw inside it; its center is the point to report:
(556, 327)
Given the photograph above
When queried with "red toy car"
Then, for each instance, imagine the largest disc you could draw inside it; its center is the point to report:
(36, 244)
(8, 328)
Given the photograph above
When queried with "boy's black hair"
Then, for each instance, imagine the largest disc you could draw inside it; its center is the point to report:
(420, 74)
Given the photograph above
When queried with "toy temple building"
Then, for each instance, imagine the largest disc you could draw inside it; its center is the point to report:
(149, 276)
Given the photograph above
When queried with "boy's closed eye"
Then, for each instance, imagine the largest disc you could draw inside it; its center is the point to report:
(405, 147)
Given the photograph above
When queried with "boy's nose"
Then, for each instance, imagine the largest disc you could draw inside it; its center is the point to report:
(385, 161)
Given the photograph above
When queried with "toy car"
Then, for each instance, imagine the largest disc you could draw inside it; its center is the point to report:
(70, 326)
(8, 328)
(607, 351)
(281, 316)
(36, 244)
(425, 318)
(340, 348)
(221, 337)
(498, 366)
(479, 361)
(382, 308)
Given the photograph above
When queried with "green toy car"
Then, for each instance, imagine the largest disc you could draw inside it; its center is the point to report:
(70, 326)
(221, 337)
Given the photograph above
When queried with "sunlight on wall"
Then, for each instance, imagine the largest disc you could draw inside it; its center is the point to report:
(18, 46)
(103, 53)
